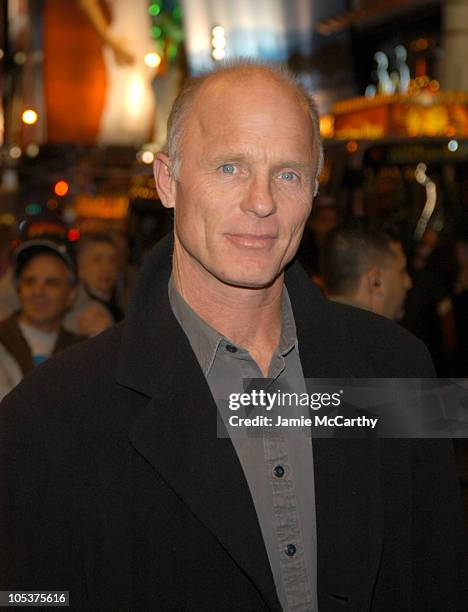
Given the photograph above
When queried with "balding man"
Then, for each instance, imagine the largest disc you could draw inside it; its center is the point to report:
(121, 491)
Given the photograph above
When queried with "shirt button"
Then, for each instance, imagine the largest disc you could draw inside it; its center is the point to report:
(279, 471)
(231, 349)
(290, 550)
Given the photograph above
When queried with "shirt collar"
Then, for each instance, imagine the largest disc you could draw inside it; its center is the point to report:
(205, 340)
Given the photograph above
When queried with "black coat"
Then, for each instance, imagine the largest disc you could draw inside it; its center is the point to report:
(120, 492)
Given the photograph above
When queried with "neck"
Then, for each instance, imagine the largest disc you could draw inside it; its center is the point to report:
(47, 327)
(351, 301)
(249, 317)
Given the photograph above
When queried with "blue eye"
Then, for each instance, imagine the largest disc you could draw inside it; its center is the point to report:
(228, 168)
(288, 176)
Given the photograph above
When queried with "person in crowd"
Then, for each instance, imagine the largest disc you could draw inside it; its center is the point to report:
(8, 297)
(6, 238)
(122, 493)
(96, 307)
(47, 226)
(365, 266)
(46, 281)
(429, 308)
(127, 270)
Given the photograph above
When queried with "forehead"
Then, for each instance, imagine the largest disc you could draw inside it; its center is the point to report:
(45, 265)
(98, 248)
(251, 108)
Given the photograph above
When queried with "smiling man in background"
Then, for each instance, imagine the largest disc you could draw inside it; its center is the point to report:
(145, 507)
(46, 281)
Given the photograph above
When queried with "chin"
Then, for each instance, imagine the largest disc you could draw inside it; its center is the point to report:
(248, 279)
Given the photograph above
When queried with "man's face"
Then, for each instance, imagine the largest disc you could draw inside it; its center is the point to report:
(98, 266)
(246, 181)
(395, 283)
(45, 291)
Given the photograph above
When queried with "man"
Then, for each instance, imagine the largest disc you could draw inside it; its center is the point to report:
(96, 306)
(46, 281)
(146, 508)
(365, 266)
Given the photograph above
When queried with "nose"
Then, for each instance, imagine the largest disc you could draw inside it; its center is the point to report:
(38, 288)
(259, 199)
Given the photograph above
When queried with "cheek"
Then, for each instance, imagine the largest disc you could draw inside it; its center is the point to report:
(295, 217)
(60, 297)
(24, 293)
(395, 288)
(200, 213)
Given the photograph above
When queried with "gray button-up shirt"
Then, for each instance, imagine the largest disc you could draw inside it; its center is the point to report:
(278, 462)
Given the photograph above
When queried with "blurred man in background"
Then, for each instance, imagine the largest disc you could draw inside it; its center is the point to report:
(365, 266)
(8, 296)
(46, 281)
(96, 306)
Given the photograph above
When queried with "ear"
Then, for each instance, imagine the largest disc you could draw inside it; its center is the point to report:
(164, 179)
(374, 281)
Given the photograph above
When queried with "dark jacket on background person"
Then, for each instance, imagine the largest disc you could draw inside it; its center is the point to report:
(16, 344)
(119, 490)
(16, 359)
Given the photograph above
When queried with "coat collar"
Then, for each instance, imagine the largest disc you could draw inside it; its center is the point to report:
(154, 342)
(177, 435)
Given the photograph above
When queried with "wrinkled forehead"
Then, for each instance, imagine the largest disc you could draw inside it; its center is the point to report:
(97, 248)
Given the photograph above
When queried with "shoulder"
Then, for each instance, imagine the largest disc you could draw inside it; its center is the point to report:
(63, 382)
(68, 338)
(361, 340)
(391, 349)
(96, 356)
(9, 322)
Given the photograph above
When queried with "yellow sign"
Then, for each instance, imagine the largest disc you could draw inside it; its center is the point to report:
(101, 206)
(415, 115)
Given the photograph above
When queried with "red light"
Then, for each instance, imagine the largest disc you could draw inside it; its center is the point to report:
(73, 234)
(61, 188)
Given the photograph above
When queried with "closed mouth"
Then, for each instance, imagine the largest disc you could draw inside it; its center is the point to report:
(252, 241)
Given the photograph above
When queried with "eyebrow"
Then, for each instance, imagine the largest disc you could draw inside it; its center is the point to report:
(305, 168)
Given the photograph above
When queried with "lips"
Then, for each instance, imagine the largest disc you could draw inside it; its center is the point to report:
(252, 241)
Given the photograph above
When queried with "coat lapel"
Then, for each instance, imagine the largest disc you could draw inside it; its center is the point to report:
(349, 503)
